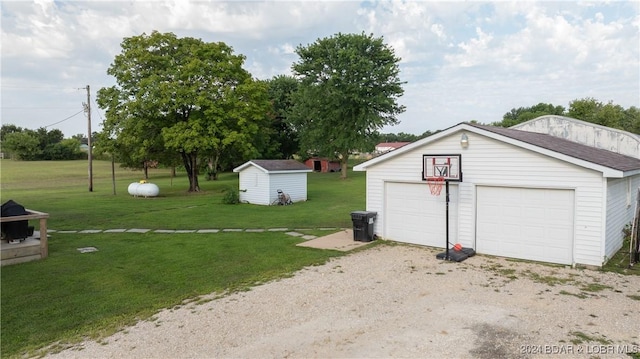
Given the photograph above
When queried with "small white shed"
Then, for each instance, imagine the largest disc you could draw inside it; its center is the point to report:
(260, 180)
(522, 195)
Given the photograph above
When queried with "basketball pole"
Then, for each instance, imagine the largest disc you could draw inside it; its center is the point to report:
(446, 245)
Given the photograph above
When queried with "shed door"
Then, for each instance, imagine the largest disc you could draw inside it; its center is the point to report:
(525, 223)
(413, 215)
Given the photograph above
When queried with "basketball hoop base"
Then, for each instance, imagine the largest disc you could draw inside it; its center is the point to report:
(457, 256)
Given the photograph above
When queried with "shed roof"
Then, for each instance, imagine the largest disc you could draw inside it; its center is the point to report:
(611, 164)
(275, 166)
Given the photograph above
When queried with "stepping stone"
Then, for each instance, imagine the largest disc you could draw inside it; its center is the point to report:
(295, 234)
(278, 229)
(165, 231)
(138, 230)
(308, 237)
(87, 249)
(208, 231)
(67, 231)
(185, 231)
(91, 231)
(232, 230)
(255, 230)
(118, 230)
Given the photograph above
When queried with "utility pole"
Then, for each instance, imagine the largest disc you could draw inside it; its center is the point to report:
(87, 108)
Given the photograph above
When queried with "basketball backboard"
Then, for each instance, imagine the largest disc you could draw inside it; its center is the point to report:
(448, 167)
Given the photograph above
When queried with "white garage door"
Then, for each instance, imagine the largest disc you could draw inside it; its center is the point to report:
(525, 223)
(413, 215)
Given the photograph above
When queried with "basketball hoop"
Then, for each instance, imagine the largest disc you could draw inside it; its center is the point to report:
(435, 185)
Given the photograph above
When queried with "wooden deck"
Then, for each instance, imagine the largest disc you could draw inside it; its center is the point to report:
(33, 248)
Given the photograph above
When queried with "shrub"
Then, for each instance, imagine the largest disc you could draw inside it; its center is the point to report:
(231, 197)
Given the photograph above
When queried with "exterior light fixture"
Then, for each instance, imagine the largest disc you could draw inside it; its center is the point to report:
(464, 141)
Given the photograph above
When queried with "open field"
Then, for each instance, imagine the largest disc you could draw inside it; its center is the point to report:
(71, 296)
(61, 189)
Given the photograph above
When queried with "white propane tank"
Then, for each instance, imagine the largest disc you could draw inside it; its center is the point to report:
(137, 189)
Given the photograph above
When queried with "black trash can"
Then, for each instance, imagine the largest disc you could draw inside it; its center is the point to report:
(363, 225)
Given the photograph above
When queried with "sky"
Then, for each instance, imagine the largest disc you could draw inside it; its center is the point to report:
(462, 61)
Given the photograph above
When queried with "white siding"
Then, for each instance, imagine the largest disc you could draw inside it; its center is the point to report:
(526, 223)
(254, 186)
(414, 215)
(495, 163)
(621, 202)
(257, 187)
(293, 184)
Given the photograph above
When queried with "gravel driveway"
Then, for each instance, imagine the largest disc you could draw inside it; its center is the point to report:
(399, 301)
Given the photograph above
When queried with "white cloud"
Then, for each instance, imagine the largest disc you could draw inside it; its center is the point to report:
(282, 49)
(438, 30)
(40, 32)
(475, 51)
(462, 60)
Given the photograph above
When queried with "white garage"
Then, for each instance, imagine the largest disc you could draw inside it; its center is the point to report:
(416, 216)
(526, 223)
(522, 195)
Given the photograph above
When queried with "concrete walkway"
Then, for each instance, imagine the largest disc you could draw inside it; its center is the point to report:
(342, 240)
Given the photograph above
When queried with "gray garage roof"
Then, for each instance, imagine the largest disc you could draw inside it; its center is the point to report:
(271, 166)
(611, 164)
(586, 153)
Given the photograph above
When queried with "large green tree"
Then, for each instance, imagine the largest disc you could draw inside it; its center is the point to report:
(281, 90)
(349, 89)
(631, 120)
(130, 138)
(182, 96)
(7, 129)
(67, 149)
(22, 145)
(609, 114)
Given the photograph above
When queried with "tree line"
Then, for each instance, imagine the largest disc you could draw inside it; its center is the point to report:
(26, 144)
(183, 102)
(39, 145)
(586, 109)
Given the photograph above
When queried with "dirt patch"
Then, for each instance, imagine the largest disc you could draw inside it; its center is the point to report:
(493, 341)
(398, 301)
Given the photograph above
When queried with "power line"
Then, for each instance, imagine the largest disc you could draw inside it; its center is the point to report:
(37, 87)
(75, 114)
(94, 102)
(33, 108)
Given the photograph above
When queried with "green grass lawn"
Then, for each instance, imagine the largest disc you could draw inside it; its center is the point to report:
(61, 189)
(70, 295)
